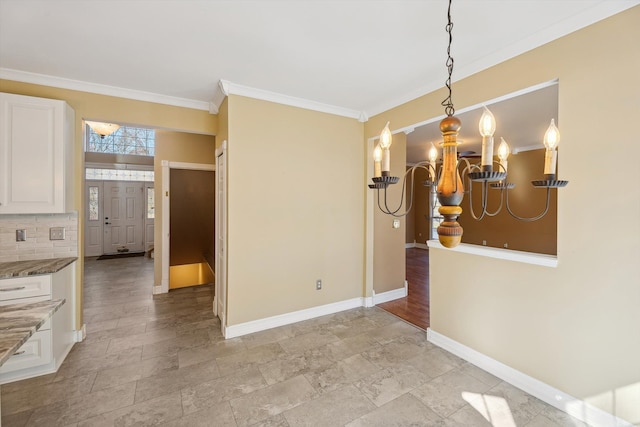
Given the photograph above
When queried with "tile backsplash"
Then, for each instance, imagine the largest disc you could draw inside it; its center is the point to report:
(37, 244)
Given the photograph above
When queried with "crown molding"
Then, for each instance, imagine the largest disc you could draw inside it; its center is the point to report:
(222, 91)
(62, 83)
(226, 88)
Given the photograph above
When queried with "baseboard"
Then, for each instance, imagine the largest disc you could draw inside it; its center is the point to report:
(390, 295)
(157, 289)
(238, 330)
(416, 245)
(80, 335)
(575, 407)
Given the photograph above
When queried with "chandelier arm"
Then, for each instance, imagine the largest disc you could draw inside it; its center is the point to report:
(389, 211)
(473, 214)
(534, 218)
(497, 211)
(379, 206)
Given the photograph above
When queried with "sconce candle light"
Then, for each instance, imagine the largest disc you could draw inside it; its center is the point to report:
(450, 189)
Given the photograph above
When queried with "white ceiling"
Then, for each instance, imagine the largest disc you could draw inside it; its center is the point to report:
(359, 55)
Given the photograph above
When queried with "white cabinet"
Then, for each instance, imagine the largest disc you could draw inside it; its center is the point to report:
(36, 155)
(45, 350)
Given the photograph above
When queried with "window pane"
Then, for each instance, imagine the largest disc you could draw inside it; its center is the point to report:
(151, 204)
(93, 203)
(119, 175)
(126, 140)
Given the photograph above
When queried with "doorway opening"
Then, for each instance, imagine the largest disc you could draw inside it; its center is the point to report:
(188, 235)
(191, 227)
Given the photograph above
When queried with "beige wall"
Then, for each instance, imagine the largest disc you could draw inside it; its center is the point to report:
(176, 147)
(295, 203)
(388, 246)
(574, 327)
(107, 108)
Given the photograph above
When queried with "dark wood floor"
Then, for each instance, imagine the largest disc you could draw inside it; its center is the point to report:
(414, 308)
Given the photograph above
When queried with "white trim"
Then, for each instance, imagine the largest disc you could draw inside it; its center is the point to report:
(416, 245)
(81, 334)
(390, 295)
(505, 254)
(532, 147)
(119, 166)
(289, 318)
(228, 88)
(164, 229)
(157, 289)
(369, 225)
(367, 302)
(138, 95)
(575, 407)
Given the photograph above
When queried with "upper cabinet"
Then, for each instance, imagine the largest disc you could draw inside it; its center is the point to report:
(36, 155)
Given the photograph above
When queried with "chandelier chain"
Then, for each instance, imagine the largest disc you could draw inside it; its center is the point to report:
(448, 101)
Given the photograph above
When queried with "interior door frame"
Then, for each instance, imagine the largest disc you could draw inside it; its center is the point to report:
(166, 212)
(220, 298)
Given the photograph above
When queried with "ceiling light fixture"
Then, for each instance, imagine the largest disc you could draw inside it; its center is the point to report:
(103, 129)
(445, 181)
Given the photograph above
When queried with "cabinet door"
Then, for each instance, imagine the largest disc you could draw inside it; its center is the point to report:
(31, 155)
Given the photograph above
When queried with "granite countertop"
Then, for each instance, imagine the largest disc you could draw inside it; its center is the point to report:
(19, 321)
(33, 267)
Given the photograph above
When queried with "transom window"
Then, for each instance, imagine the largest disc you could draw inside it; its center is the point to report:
(126, 140)
(119, 174)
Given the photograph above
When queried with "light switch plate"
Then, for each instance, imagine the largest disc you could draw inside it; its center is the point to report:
(57, 233)
(396, 223)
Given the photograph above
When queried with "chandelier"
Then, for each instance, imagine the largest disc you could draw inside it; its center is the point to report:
(445, 180)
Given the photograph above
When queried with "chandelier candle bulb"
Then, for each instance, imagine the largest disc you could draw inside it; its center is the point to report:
(487, 127)
(433, 156)
(551, 140)
(377, 158)
(503, 154)
(385, 143)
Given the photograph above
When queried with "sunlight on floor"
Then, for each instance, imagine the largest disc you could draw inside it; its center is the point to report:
(494, 409)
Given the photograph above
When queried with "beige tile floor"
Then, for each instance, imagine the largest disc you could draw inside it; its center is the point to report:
(162, 361)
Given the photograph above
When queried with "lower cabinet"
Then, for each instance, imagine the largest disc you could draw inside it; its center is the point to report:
(45, 351)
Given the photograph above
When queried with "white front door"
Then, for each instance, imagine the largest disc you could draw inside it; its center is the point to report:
(93, 219)
(123, 217)
(221, 238)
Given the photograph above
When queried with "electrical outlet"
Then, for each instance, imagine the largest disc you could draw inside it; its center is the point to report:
(21, 235)
(484, 243)
(506, 246)
(396, 223)
(318, 284)
(57, 233)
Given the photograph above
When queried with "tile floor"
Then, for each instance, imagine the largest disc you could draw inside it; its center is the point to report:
(162, 361)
